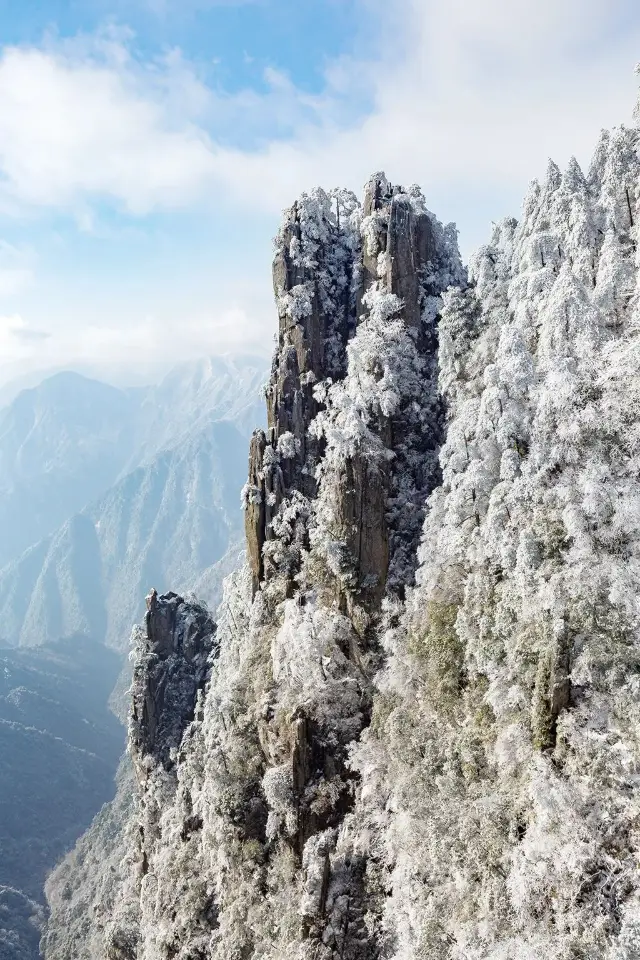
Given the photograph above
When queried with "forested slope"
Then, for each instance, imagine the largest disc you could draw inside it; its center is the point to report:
(413, 733)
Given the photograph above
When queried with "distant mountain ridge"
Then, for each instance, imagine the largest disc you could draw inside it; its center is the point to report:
(66, 441)
(168, 515)
(62, 444)
(104, 492)
(194, 393)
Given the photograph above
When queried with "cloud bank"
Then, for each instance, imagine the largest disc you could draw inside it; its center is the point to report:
(460, 93)
(467, 99)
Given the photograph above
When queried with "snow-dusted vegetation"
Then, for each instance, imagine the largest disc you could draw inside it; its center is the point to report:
(416, 733)
(504, 760)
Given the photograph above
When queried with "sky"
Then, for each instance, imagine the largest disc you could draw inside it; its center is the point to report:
(148, 147)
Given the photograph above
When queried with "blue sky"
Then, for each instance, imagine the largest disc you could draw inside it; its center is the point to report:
(147, 147)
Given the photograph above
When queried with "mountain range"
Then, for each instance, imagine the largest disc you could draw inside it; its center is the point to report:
(411, 731)
(104, 493)
(133, 490)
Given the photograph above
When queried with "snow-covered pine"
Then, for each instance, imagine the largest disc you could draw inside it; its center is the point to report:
(419, 735)
(502, 762)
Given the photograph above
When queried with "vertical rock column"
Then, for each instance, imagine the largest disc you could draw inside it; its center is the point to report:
(327, 259)
(382, 504)
(312, 284)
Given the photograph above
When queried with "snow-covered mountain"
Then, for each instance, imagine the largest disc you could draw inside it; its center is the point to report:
(135, 489)
(62, 444)
(194, 394)
(413, 732)
(165, 523)
(104, 493)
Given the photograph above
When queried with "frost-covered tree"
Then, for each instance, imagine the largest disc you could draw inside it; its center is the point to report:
(504, 753)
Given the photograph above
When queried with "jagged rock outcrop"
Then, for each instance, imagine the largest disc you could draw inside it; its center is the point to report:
(170, 672)
(335, 503)
(332, 267)
(175, 654)
(313, 284)
(407, 235)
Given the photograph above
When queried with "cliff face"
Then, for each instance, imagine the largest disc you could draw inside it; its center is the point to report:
(339, 265)
(414, 735)
(175, 652)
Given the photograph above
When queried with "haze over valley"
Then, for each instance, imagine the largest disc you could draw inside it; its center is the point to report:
(104, 493)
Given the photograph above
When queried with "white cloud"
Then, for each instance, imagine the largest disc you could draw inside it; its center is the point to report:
(148, 340)
(472, 98)
(84, 119)
(200, 334)
(465, 96)
(467, 99)
(72, 128)
(18, 341)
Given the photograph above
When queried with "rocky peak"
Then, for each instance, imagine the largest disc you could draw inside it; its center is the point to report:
(334, 509)
(405, 234)
(171, 669)
(336, 261)
(246, 788)
(313, 285)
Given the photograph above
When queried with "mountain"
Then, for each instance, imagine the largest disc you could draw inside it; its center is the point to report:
(284, 698)
(66, 441)
(193, 394)
(169, 522)
(59, 746)
(93, 871)
(138, 373)
(413, 731)
(147, 482)
(167, 513)
(62, 444)
(53, 591)
(164, 523)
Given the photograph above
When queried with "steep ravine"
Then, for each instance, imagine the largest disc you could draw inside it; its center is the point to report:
(413, 732)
